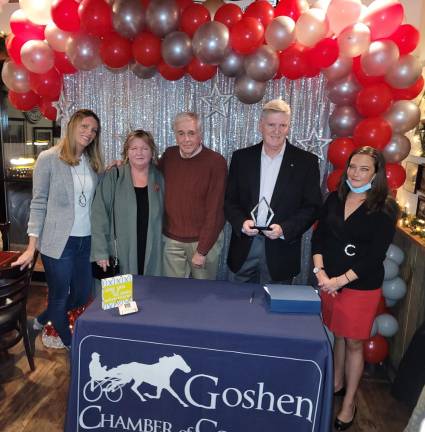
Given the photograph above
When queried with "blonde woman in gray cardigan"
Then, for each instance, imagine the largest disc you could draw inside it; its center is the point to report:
(133, 194)
(65, 178)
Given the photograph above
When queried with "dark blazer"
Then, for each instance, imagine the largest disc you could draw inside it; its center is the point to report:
(296, 202)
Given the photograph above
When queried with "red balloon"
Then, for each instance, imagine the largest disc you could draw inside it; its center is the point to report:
(324, 53)
(65, 15)
(375, 349)
(13, 47)
(396, 175)
(333, 179)
(246, 35)
(171, 73)
(373, 131)
(339, 151)
(146, 49)
(46, 108)
(362, 78)
(22, 26)
(409, 92)
(291, 8)
(62, 63)
(193, 17)
(24, 101)
(95, 17)
(261, 10)
(228, 14)
(183, 4)
(47, 85)
(201, 71)
(374, 99)
(115, 50)
(293, 62)
(406, 37)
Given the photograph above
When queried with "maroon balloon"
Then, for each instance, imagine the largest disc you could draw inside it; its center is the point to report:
(95, 17)
(396, 175)
(62, 63)
(193, 17)
(409, 92)
(228, 14)
(293, 62)
(13, 47)
(375, 349)
(291, 8)
(201, 71)
(374, 99)
(146, 49)
(373, 131)
(361, 76)
(47, 109)
(65, 15)
(339, 151)
(115, 51)
(171, 73)
(26, 29)
(261, 10)
(246, 35)
(324, 53)
(23, 101)
(406, 37)
(47, 85)
(333, 179)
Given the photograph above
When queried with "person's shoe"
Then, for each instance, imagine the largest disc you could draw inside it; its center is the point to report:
(340, 392)
(341, 425)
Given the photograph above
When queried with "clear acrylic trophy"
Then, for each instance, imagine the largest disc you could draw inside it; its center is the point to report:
(262, 212)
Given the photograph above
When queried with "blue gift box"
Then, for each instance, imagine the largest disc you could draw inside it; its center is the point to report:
(302, 299)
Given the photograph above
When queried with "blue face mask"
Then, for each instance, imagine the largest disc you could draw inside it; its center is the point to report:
(360, 189)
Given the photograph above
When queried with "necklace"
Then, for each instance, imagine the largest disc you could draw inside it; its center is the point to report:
(82, 199)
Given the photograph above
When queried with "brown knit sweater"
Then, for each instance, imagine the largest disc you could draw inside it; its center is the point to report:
(194, 196)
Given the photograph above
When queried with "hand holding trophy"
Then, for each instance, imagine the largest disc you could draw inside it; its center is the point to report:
(262, 214)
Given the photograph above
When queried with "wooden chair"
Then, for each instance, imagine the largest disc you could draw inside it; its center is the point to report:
(4, 229)
(13, 310)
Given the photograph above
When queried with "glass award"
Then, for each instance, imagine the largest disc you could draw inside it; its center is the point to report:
(262, 214)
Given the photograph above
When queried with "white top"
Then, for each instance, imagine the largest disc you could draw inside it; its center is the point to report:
(83, 185)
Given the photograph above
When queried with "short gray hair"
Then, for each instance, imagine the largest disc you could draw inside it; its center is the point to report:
(188, 115)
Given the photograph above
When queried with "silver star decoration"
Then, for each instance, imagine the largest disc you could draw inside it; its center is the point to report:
(121, 137)
(217, 102)
(314, 144)
(64, 109)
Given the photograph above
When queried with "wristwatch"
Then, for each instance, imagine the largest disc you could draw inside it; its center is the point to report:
(317, 269)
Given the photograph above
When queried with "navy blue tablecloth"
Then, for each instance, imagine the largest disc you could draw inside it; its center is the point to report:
(199, 357)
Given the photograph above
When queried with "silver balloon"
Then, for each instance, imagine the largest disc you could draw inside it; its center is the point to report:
(390, 302)
(390, 269)
(248, 90)
(379, 57)
(176, 49)
(343, 120)
(37, 56)
(397, 149)
(280, 33)
(405, 72)
(162, 17)
(394, 289)
(232, 65)
(143, 72)
(128, 17)
(56, 38)
(210, 42)
(82, 51)
(262, 64)
(403, 116)
(343, 91)
(354, 40)
(339, 69)
(16, 77)
(387, 325)
(395, 253)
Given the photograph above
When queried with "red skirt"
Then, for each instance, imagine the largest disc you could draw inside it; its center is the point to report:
(351, 312)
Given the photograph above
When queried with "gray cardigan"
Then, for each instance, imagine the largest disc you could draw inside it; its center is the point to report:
(125, 206)
(52, 204)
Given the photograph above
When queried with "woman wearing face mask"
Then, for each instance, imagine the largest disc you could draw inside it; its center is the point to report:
(356, 226)
(64, 181)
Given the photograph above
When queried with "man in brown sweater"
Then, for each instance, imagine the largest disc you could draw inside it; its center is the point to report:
(195, 179)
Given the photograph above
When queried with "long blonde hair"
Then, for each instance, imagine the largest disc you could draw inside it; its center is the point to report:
(67, 147)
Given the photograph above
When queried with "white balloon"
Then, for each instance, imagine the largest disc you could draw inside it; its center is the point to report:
(390, 269)
(394, 289)
(395, 253)
(37, 11)
(387, 325)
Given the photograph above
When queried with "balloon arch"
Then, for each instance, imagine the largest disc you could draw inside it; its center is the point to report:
(364, 53)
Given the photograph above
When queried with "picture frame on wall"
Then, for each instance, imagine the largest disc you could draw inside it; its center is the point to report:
(16, 130)
(420, 209)
(411, 177)
(42, 136)
(420, 179)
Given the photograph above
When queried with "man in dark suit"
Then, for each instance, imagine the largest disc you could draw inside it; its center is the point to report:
(288, 178)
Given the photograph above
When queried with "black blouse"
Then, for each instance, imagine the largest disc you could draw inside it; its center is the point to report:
(359, 243)
(142, 225)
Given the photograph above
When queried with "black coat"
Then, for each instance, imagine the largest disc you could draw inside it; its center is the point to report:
(296, 201)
